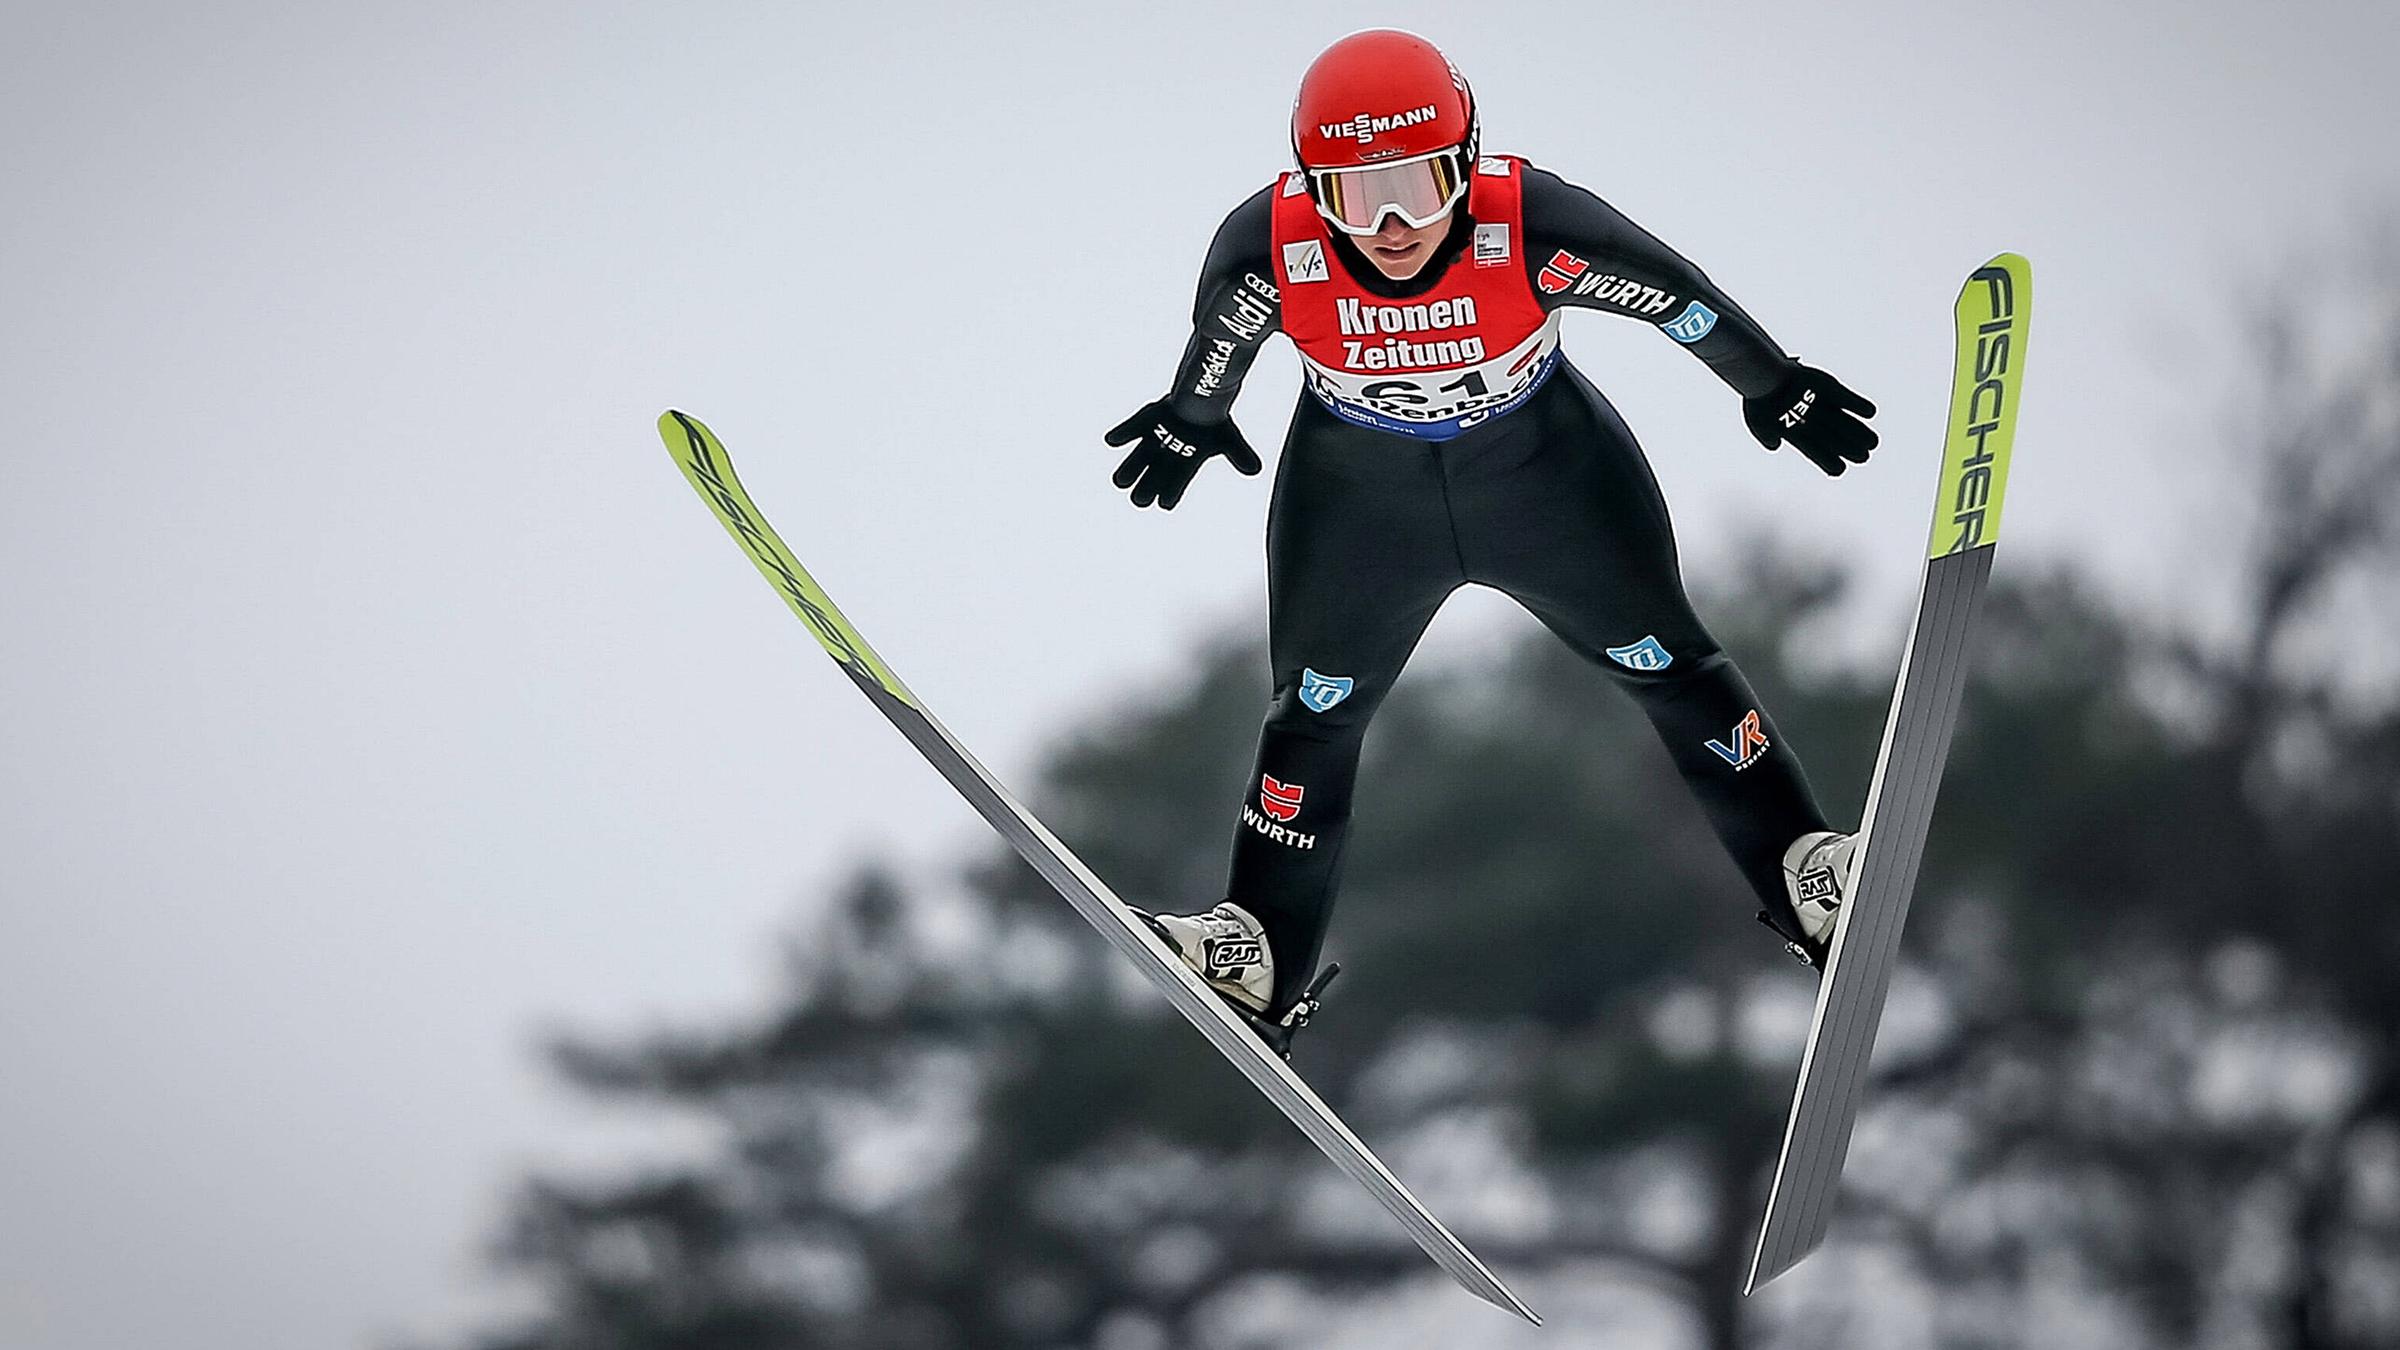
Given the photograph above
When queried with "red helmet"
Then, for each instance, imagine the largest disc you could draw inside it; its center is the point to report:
(1384, 124)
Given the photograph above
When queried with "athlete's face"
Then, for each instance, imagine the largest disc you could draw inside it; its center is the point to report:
(1399, 251)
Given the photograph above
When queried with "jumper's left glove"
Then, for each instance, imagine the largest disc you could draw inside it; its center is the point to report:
(1168, 450)
(1813, 411)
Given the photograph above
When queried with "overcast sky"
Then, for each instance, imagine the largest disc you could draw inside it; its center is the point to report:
(374, 694)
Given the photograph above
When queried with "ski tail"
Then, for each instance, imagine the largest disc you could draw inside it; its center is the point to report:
(1991, 321)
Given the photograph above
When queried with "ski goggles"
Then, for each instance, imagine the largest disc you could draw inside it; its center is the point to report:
(1420, 191)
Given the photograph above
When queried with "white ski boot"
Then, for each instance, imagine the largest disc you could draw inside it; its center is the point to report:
(1816, 876)
(1227, 948)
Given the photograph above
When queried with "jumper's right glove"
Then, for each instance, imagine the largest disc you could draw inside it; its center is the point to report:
(1813, 411)
(1168, 450)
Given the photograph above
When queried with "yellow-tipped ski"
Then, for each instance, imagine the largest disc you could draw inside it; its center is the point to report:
(710, 470)
(1991, 315)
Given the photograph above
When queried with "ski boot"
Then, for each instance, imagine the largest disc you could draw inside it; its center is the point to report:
(1816, 877)
(1228, 950)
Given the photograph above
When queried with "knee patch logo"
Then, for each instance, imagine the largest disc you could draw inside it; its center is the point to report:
(1320, 692)
(1749, 742)
(1647, 654)
(1691, 325)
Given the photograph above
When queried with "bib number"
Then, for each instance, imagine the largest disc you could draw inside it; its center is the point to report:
(1438, 404)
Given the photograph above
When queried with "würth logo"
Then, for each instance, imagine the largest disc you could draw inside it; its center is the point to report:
(1560, 272)
(1280, 800)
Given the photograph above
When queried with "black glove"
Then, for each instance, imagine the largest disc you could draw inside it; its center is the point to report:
(1813, 411)
(1170, 450)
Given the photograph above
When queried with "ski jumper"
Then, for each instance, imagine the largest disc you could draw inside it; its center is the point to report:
(1442, 439)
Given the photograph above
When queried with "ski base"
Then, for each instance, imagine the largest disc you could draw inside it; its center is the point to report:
(1991, 315)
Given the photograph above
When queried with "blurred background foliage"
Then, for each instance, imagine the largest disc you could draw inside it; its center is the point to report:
(2139, 1084)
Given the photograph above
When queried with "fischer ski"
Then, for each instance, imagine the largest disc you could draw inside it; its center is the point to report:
(705, 464)
(1991, 317)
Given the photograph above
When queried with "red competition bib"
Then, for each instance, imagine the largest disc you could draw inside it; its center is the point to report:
(1433, 365)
